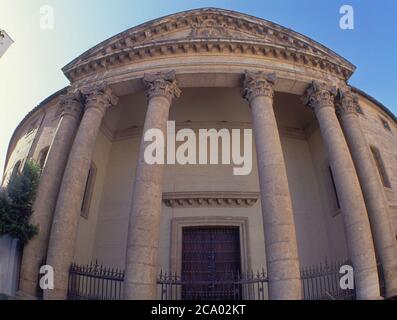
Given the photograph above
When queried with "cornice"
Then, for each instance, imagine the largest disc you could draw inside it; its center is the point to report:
(207, 30)
(196, 199)
(35, 111)
(375, 102)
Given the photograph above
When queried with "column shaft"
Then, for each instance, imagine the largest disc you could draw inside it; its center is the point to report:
(63, 232)
(278, 221)
(144, 224)
(375, 198)
(35, 250)
(358, 233)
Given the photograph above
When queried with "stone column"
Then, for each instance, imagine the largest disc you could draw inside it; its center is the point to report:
(320, 97)
(64, 228)
(371, 185)
(35, 250)
(144, 224)
(278, 220)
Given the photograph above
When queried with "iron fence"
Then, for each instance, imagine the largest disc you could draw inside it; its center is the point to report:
(231, 286)
(322, 282)
(95, 282)
(319, 282)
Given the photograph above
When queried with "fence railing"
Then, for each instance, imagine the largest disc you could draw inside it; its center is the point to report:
(322, 282)
(319, 282)
(95, 282)
(231, 286)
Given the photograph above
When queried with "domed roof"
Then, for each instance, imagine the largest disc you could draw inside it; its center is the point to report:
(207, 30)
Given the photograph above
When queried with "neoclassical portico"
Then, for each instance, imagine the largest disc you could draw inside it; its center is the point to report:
(281, 248)
(217, 49)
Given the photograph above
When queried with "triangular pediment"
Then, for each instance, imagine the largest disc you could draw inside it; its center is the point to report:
(206, 25)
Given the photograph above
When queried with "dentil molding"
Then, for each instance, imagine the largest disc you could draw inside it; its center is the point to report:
(197, 199)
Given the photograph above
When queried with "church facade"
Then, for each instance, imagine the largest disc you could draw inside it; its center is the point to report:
(323, 179)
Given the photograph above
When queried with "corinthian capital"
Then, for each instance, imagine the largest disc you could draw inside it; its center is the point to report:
(346, 102)
(258, 84)
(319, 94)
(71, 103)
(99, 96)
(161, 84)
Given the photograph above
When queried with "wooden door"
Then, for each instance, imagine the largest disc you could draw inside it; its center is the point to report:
(211, 263)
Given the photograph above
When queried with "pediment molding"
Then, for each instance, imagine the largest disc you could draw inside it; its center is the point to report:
(196, 199)
(209, 30)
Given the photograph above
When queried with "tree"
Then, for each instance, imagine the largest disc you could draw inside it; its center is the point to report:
(16, 203)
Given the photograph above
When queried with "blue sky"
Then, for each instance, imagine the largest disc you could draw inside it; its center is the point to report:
(31, 69)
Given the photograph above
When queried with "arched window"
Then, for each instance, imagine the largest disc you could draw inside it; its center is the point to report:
(381, 167)
(385, 124)
(16, 168)
(43, 156)
(89, 188)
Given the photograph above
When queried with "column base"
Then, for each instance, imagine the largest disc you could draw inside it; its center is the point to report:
(135, 291)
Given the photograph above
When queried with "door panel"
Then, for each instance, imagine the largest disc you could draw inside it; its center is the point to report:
(211, 263)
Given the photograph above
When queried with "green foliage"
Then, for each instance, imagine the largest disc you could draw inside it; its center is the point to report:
(16, 203)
